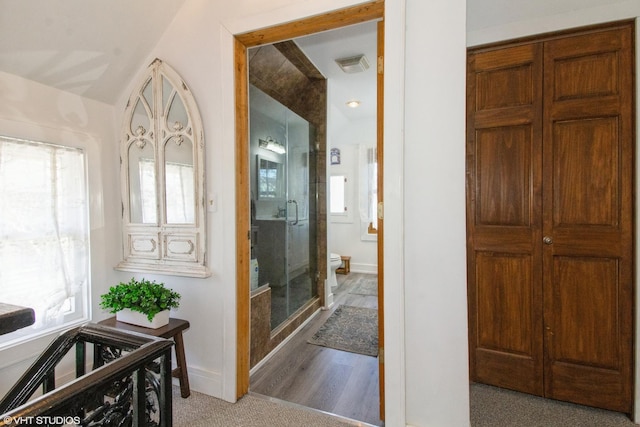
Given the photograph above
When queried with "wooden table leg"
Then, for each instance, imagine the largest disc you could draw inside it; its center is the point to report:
(181, 371)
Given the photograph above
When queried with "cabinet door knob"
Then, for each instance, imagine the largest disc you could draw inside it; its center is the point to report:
(547, 240)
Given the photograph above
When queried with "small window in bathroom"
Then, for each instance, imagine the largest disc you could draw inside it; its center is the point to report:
(337, 202)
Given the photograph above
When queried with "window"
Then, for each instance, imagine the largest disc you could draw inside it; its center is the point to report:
(337, 201)
(44, 234)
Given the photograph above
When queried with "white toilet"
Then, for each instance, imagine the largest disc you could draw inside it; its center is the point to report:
(334, 262)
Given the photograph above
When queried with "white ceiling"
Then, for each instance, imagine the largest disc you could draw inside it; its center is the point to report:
(87, 47)
(324, 48)
(489, 13)
(94, 48)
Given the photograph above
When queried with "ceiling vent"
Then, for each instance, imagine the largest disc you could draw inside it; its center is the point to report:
(353, 64)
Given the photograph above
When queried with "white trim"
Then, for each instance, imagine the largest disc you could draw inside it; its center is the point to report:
(204, 381)
(360, 267)
(228, 200)
(393, 242)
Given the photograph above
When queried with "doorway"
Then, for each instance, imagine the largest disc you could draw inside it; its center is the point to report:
(369, 12)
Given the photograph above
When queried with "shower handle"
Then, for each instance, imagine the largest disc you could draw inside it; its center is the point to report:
(296, 204)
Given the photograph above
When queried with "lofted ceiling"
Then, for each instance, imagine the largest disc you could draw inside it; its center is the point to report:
(94, 48)
(87, 47)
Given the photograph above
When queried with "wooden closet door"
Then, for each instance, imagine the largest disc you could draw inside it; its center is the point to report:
(504, 167)
(587, 227)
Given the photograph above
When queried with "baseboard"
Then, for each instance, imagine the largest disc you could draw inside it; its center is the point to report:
(203, 381)
(364, 268)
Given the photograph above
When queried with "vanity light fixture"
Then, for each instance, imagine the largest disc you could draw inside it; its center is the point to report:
(353, 103)
(272, 145)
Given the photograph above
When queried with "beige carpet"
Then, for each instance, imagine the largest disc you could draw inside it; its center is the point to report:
(490, 407)
(250, 411)
(497, 407)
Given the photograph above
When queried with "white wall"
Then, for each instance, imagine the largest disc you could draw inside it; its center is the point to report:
(434, 211)
(605, 11)
(32, 111)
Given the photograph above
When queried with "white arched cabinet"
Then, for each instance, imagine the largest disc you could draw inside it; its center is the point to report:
(162, 168)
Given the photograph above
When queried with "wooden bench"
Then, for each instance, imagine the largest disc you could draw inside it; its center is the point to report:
(345, 268)
(171, 331)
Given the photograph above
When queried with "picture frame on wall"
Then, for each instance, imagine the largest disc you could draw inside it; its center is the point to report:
(335, 156)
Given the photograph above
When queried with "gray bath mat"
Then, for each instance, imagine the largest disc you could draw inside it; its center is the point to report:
(353, 329)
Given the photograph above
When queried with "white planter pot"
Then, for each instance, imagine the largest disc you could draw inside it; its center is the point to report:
(136, 318)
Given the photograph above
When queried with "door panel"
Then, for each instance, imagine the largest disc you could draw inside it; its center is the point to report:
(585, 298)
(503, 201)
(506, 333)
(505, 326)
(503, 162)
(586, 156)
(588, 187)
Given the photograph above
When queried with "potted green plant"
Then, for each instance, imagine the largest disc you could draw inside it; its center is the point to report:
(141, 302)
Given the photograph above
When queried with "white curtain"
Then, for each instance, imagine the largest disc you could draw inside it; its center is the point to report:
(368, 186)
(44, 242)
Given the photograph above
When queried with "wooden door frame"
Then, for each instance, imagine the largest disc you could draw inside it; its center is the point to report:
(372, 11)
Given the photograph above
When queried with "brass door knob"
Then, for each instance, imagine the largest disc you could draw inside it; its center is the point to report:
(547, 240)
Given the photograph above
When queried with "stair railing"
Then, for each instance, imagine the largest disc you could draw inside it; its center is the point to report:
(129, 383)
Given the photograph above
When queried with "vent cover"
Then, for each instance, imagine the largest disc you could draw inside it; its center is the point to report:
(353, 64)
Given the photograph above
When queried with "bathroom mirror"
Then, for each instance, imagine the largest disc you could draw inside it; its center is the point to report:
(270, 179)
(162, 157)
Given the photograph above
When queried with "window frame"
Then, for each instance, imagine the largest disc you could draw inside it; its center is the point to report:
(80, 300)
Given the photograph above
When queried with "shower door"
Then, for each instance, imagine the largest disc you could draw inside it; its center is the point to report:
(283, 214)
(300, 278)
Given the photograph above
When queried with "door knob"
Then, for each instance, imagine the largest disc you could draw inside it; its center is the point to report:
(547, 240)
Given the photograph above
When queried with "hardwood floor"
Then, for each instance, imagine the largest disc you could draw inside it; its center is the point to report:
(322, 378)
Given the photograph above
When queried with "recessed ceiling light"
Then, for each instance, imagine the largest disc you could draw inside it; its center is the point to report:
(353, 104)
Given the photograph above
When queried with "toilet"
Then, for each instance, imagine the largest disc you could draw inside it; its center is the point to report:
(335, 261)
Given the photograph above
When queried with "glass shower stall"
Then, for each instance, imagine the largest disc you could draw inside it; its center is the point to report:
(283, 206)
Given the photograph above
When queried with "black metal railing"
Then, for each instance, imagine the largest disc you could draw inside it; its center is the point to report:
(129, 383)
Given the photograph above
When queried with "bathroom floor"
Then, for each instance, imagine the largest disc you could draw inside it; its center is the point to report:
(333, 381)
